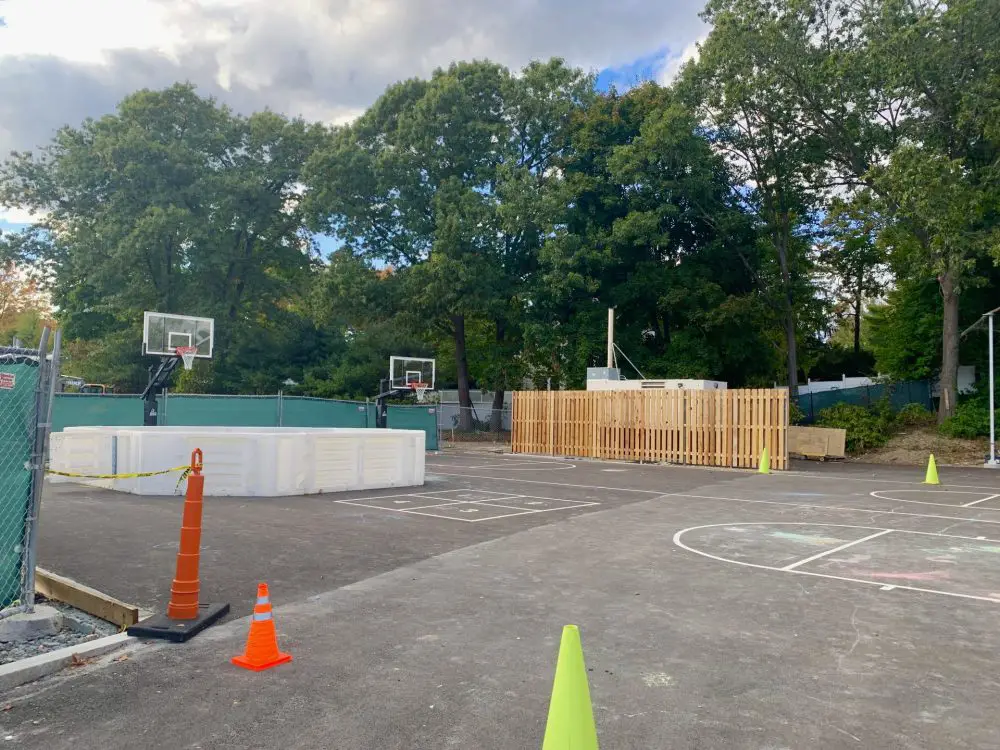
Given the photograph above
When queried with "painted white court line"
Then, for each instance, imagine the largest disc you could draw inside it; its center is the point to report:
(976, 502)
(525, 466)
(420, 512)
(753, 472)
(794, 565)
(811, 475)
(468, 497)
(661, 495)
(881, 495)
(835, 507)
(880, 584)
(494, 500)
(401, 510)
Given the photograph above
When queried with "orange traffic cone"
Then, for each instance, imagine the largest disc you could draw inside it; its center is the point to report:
(262, 645)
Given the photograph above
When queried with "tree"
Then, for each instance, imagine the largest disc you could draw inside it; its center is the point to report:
(444, 180)
(649, 227)
(24, 305)
(853, 264)
(174, 204)
(773, 156)
(902, 94)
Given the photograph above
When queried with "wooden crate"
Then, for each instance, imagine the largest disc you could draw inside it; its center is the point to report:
(699, 428)
(817, 442)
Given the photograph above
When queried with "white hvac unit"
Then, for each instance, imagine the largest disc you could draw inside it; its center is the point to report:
(609, 378)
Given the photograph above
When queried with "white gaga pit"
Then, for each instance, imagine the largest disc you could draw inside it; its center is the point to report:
(241, 461)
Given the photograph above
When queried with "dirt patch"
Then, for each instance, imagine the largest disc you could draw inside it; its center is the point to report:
(913, 446)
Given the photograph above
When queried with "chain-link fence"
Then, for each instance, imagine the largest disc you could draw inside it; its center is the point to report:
(27, 385)
(898, 395)
(476, 424)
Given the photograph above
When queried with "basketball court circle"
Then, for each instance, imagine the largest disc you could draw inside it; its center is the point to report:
(929, 562)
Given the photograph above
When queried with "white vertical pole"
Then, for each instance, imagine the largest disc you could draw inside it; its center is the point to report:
(611, 337)
(993, 434)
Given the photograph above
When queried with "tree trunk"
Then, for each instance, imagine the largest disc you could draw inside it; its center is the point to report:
(496, 415)
(857, 323)
(462, 373)
(949, 349)
(790, 343)
(793, 355)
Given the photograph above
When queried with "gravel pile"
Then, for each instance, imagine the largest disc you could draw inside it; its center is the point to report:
(78, 627)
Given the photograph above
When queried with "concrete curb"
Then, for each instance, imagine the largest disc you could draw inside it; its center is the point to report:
(35, 667)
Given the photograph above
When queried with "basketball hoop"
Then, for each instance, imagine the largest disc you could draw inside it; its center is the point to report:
(186, 353)
(420, 389)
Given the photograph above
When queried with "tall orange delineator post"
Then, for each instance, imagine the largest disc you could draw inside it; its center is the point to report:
(186, 616)
(184, 591)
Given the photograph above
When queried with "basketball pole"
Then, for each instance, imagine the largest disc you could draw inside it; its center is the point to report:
(993, 432)
(991, 461)
(611, 337)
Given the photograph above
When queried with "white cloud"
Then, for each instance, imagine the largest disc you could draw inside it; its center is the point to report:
(64, 60)
(673, 63)
(84, 31)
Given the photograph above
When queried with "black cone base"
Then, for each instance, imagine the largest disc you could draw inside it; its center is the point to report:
(178, 631)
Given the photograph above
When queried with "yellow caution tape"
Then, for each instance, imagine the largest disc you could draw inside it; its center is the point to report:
(131, 475)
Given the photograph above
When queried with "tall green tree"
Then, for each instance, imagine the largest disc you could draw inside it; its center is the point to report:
(446, 180)
(774, 159)
(175, 204)
(650, 228)
(901, 94)
(853, 264)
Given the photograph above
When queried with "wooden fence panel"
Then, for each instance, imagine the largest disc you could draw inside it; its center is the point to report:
(701, 428)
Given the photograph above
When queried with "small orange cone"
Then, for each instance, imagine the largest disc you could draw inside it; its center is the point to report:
(262, 645)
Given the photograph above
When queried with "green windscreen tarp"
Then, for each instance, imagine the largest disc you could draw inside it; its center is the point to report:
(416, 418)
(18, 382)
(301, 411)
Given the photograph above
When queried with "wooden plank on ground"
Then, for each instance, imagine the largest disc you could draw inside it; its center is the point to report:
(93, 602)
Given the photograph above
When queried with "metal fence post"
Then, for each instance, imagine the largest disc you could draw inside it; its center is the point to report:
(48, 376)
(281, 408)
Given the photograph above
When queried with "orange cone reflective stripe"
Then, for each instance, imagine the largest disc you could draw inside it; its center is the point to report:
(262, 644)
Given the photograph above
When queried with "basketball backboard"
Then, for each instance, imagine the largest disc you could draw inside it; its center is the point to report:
(162, 333)
(405, 372)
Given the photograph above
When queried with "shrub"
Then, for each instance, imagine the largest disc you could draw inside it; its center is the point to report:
(867, 429)
(914, 415)
(795, 413)
(971, 419)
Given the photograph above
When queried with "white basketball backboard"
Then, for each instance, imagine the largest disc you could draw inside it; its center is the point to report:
(405, 372)
(162, 333)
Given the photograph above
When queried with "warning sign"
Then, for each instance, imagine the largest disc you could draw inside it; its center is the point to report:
(7, 381)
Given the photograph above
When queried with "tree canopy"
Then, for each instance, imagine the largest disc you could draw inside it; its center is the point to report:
(819, 190)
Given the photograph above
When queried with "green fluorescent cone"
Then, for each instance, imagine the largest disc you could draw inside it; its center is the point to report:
(765, 462)
(571, 718)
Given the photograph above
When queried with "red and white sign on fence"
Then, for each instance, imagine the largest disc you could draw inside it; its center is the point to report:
(7, 381)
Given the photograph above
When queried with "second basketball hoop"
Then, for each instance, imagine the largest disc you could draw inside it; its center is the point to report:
(187, 355)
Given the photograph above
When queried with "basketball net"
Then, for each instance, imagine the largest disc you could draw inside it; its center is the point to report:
(420, 389)
(186, 353)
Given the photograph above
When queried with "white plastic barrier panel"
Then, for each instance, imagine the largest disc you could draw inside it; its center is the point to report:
(243, 461)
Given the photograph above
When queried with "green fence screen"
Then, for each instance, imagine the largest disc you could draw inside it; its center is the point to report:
(300, 411)
(415, 418)
(220, 411)
(18, 383)
(90, 410)
(898, 394)
(74, 409)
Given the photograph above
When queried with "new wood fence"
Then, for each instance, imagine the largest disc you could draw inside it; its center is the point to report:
(701, 428)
